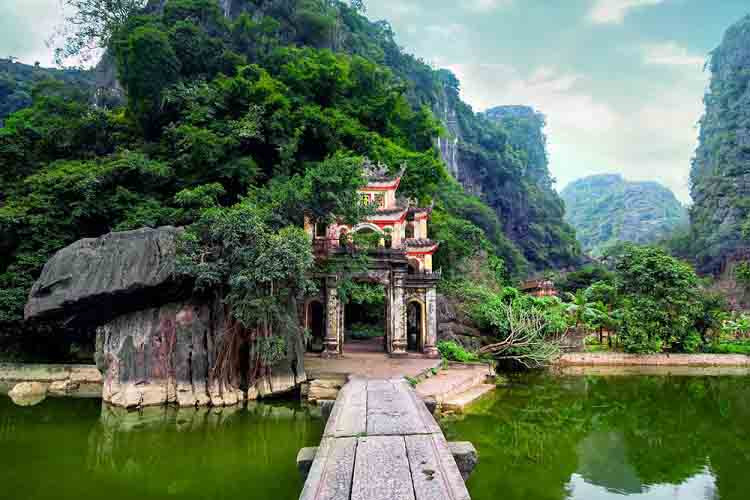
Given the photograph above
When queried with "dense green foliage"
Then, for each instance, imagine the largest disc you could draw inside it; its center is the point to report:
(500, 155)
(451, 351)
(607, 209)
(721, 167)
(198, 126)
(652, 302)
(17, 82)
(649, 302)
(742, 273)
(583, 278)
(661, 306)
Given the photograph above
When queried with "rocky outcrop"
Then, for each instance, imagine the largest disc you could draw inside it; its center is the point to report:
(720, 177)
(95, 279)
(454, 325)
(157, 343)
(500, 155)
(28, 393)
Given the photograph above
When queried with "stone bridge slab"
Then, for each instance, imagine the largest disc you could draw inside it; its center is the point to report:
(381, 443)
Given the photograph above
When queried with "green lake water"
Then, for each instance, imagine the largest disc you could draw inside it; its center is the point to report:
(607, 438)
(78, 449)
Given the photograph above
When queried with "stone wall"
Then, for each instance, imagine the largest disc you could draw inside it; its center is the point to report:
(623, 359)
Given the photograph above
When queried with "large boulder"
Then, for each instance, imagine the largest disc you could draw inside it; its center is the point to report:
(168, 355)
(95, 279)
(157, 342)
(28, 393)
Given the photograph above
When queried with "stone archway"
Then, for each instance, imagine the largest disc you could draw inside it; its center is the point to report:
(416, 325)
(315, 322)
(365, 227)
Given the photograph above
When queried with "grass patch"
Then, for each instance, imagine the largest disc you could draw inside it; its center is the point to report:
(730, 348)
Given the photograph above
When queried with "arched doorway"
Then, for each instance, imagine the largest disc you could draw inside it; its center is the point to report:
(415, 326)
(316, 325)
(364, 318)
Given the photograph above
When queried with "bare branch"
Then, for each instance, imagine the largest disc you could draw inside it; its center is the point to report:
(525, 340)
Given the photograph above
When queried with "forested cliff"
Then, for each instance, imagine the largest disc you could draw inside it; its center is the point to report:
(607, 209)
(222, 109)
(499, 156)
(720, 175)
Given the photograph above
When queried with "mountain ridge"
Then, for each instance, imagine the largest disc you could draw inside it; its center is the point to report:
(606, 209)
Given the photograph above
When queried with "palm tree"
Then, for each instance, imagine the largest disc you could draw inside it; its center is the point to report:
(590, 314)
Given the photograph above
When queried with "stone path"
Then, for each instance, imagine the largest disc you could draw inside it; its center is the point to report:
(381, 443)
(368, 364)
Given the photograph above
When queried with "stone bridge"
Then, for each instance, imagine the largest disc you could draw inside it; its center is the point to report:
(381, 443)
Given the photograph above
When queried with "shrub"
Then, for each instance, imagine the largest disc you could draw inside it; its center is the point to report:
(453, 352)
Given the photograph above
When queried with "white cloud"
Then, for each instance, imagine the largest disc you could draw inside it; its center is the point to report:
(487, 5)
(671, 54)
(653, 140)
(449, 31)
(557, 94)
(614, 11)
(25, 25)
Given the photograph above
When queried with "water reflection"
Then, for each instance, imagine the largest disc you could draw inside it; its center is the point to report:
(702, 486)
(67, 448)
(581, 438)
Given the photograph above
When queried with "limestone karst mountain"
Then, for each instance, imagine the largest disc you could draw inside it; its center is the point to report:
(720, 176)
(607, 209)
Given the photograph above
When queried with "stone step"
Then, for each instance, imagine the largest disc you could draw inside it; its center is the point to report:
(453, 381)
(324, 387)
(459, 402)
(468, 384)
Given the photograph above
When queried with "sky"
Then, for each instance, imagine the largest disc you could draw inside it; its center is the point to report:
(621, 82)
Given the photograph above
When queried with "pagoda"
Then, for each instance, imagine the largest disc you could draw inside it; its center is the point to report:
(402, 263)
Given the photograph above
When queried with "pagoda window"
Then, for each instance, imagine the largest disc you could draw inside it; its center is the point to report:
(380, 200)
(409, 230)
(321, 230)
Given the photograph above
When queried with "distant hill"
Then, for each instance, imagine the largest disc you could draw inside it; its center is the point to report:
(606, 209)
(17, 80)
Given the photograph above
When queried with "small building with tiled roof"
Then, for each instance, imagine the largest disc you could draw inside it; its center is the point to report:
(539, 288)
